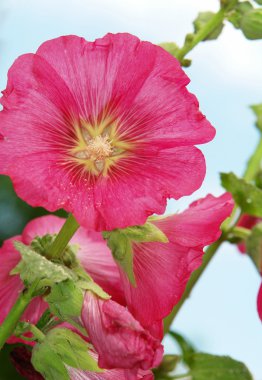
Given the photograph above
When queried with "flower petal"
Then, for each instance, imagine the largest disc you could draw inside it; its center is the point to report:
(162, 270)
(119, 339)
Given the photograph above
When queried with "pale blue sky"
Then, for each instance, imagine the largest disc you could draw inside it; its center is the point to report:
(226, 76)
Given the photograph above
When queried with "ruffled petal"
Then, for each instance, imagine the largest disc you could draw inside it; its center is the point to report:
(119, 339)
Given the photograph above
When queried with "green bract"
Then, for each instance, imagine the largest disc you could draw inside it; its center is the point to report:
(61, 348)
(36, 268)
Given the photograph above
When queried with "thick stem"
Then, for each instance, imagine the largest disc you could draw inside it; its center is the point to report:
(63, 238)
(211, 250)
(9, 324)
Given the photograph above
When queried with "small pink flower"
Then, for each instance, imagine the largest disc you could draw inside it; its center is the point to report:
(104, 129)
(120, 340)
(162, 270)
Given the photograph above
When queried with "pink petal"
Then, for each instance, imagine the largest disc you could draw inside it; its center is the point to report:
(162, 270)
(259, 302)
(119, 339)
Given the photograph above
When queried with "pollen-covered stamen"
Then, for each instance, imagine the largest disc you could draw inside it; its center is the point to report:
(99, 148)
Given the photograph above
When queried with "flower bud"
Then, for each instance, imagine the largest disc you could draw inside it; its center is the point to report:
(251, 24)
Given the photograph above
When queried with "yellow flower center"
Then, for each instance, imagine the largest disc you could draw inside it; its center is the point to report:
(98, 147)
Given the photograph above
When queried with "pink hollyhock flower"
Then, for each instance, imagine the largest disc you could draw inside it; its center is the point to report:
(92, 253)
(249, 222)
(162, 270)
(105, 129)
(120, 340)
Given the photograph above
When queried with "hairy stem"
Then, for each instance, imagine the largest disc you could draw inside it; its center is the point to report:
(9, 324)
(63, 237)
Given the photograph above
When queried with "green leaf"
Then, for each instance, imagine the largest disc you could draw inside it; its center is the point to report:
(65, 300)
(202, 19)
(257, 109)
(170, 47)
(62, 347)
(34, 267)
(246, 195)
(254, 246)
(207, 367)
(258, 2)
(251, 24)
(186, 348)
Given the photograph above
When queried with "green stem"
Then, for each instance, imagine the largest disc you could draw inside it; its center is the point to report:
(208, 28)
(63, 238)
(210, 252)
(9, 324)
(254, 163)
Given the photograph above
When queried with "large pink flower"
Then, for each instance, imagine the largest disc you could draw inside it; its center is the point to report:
(162, 270)
(104, 129)
(120, 340)
(92, 253)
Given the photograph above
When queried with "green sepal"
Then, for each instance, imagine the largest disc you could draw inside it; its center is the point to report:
(257, 109)
(167, 365)
(246, 195)
(148, 232)
(206, 367)
(36, 268)
(21, 328)
(120, 243)
(62, 347)
(251, 24)
(85, 282)
(254, 246)
(65, 300)
(170, 47)
(202, 19)
(122, 251)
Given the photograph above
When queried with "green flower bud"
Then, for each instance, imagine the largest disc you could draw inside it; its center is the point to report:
(251, 24)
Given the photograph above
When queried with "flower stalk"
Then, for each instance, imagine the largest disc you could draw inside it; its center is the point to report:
(63, 238)
(9, 324)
